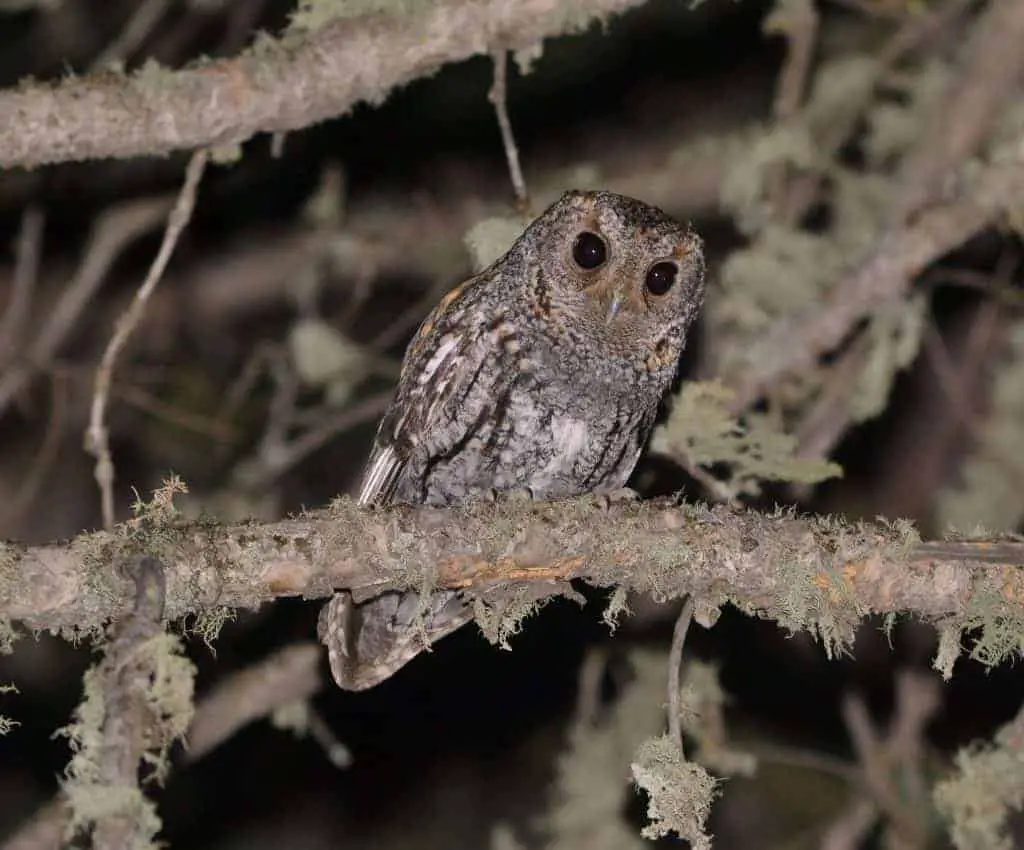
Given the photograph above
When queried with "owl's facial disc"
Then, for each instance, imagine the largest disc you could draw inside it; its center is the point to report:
(619, 272)
(632, 279)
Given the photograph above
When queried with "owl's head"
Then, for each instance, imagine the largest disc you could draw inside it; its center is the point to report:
(617, 272)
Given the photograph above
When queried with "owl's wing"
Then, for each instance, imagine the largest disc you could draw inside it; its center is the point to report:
(451, 379)
(381, 475)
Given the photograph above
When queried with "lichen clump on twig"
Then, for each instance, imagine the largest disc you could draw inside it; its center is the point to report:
(680, 792)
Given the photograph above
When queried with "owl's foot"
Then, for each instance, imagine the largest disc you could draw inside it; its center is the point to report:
(520, 494)
(617, 497)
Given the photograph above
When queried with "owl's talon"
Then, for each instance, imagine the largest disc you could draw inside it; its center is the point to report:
(618, 497)
(518, 495)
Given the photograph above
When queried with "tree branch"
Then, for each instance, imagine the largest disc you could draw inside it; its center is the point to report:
(796, 343)
(277, 86)
(803, 571)
(958, 127)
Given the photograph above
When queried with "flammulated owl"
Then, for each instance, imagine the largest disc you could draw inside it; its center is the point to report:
(541, 374)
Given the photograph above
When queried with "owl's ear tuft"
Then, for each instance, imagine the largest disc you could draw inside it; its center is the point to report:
(576, 198)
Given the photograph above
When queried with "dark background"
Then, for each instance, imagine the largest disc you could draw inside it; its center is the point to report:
(466, 736)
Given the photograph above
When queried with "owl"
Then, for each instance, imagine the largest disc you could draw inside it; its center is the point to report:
(541, 375)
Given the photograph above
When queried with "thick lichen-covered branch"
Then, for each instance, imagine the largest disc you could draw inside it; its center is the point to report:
(137, 702)
(317, 71)
(805, 572)
(795, 343)
(958, 136)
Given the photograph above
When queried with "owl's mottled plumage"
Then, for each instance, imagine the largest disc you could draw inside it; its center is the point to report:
(538, 375)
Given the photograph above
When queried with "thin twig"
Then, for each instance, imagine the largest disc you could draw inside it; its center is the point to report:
(269, 467)
(281, 412)
(873, 8)
(240, 389)
(829, 417)
(404, 322)
(143, 20)
(960, 121)
(49, 451)
(787, 756)
(112, 232)
(953, 382)
(850, 829)
(798, 22)
(26, 274)
(675, 664)
(141, 399)
(918, 698)
(902, 748)
(334, 748)
(97, 438)
(290, 674)
(919, 28)
(958, 381)
(498, 96)
(794, 344)
(588, 688)
(242, 21)
(716, 489)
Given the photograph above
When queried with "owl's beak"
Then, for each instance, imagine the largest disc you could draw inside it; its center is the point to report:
(614, 305)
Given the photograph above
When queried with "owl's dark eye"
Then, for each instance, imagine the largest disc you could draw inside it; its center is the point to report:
(660, 278)
(589, 250)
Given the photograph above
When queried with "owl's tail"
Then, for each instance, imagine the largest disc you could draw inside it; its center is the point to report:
(370, 642)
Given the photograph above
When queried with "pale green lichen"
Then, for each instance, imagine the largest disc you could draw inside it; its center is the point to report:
(987, 786)
(744, 189)
(208, 623)
(230, 154)
(7, 723)
(988, 490)
(167, 706)
(787, 268)
(588, 791)
(504, 838)
(776, 275)
(843, 88)
(618, 604)
(327, 360)
(680, 793)
(160, 510)
(801, 604)
(1000, 624)
(8, 636)
(996, 624)
(894, 127)
(701, 429)
(490, 238)
(948, 650)
(895, 334)
(311, 15)
(502, 622)
(152, 77)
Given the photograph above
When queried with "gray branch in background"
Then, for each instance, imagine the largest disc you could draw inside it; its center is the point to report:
(278, 86)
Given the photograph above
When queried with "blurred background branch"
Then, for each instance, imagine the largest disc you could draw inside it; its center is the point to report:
(855, 167)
